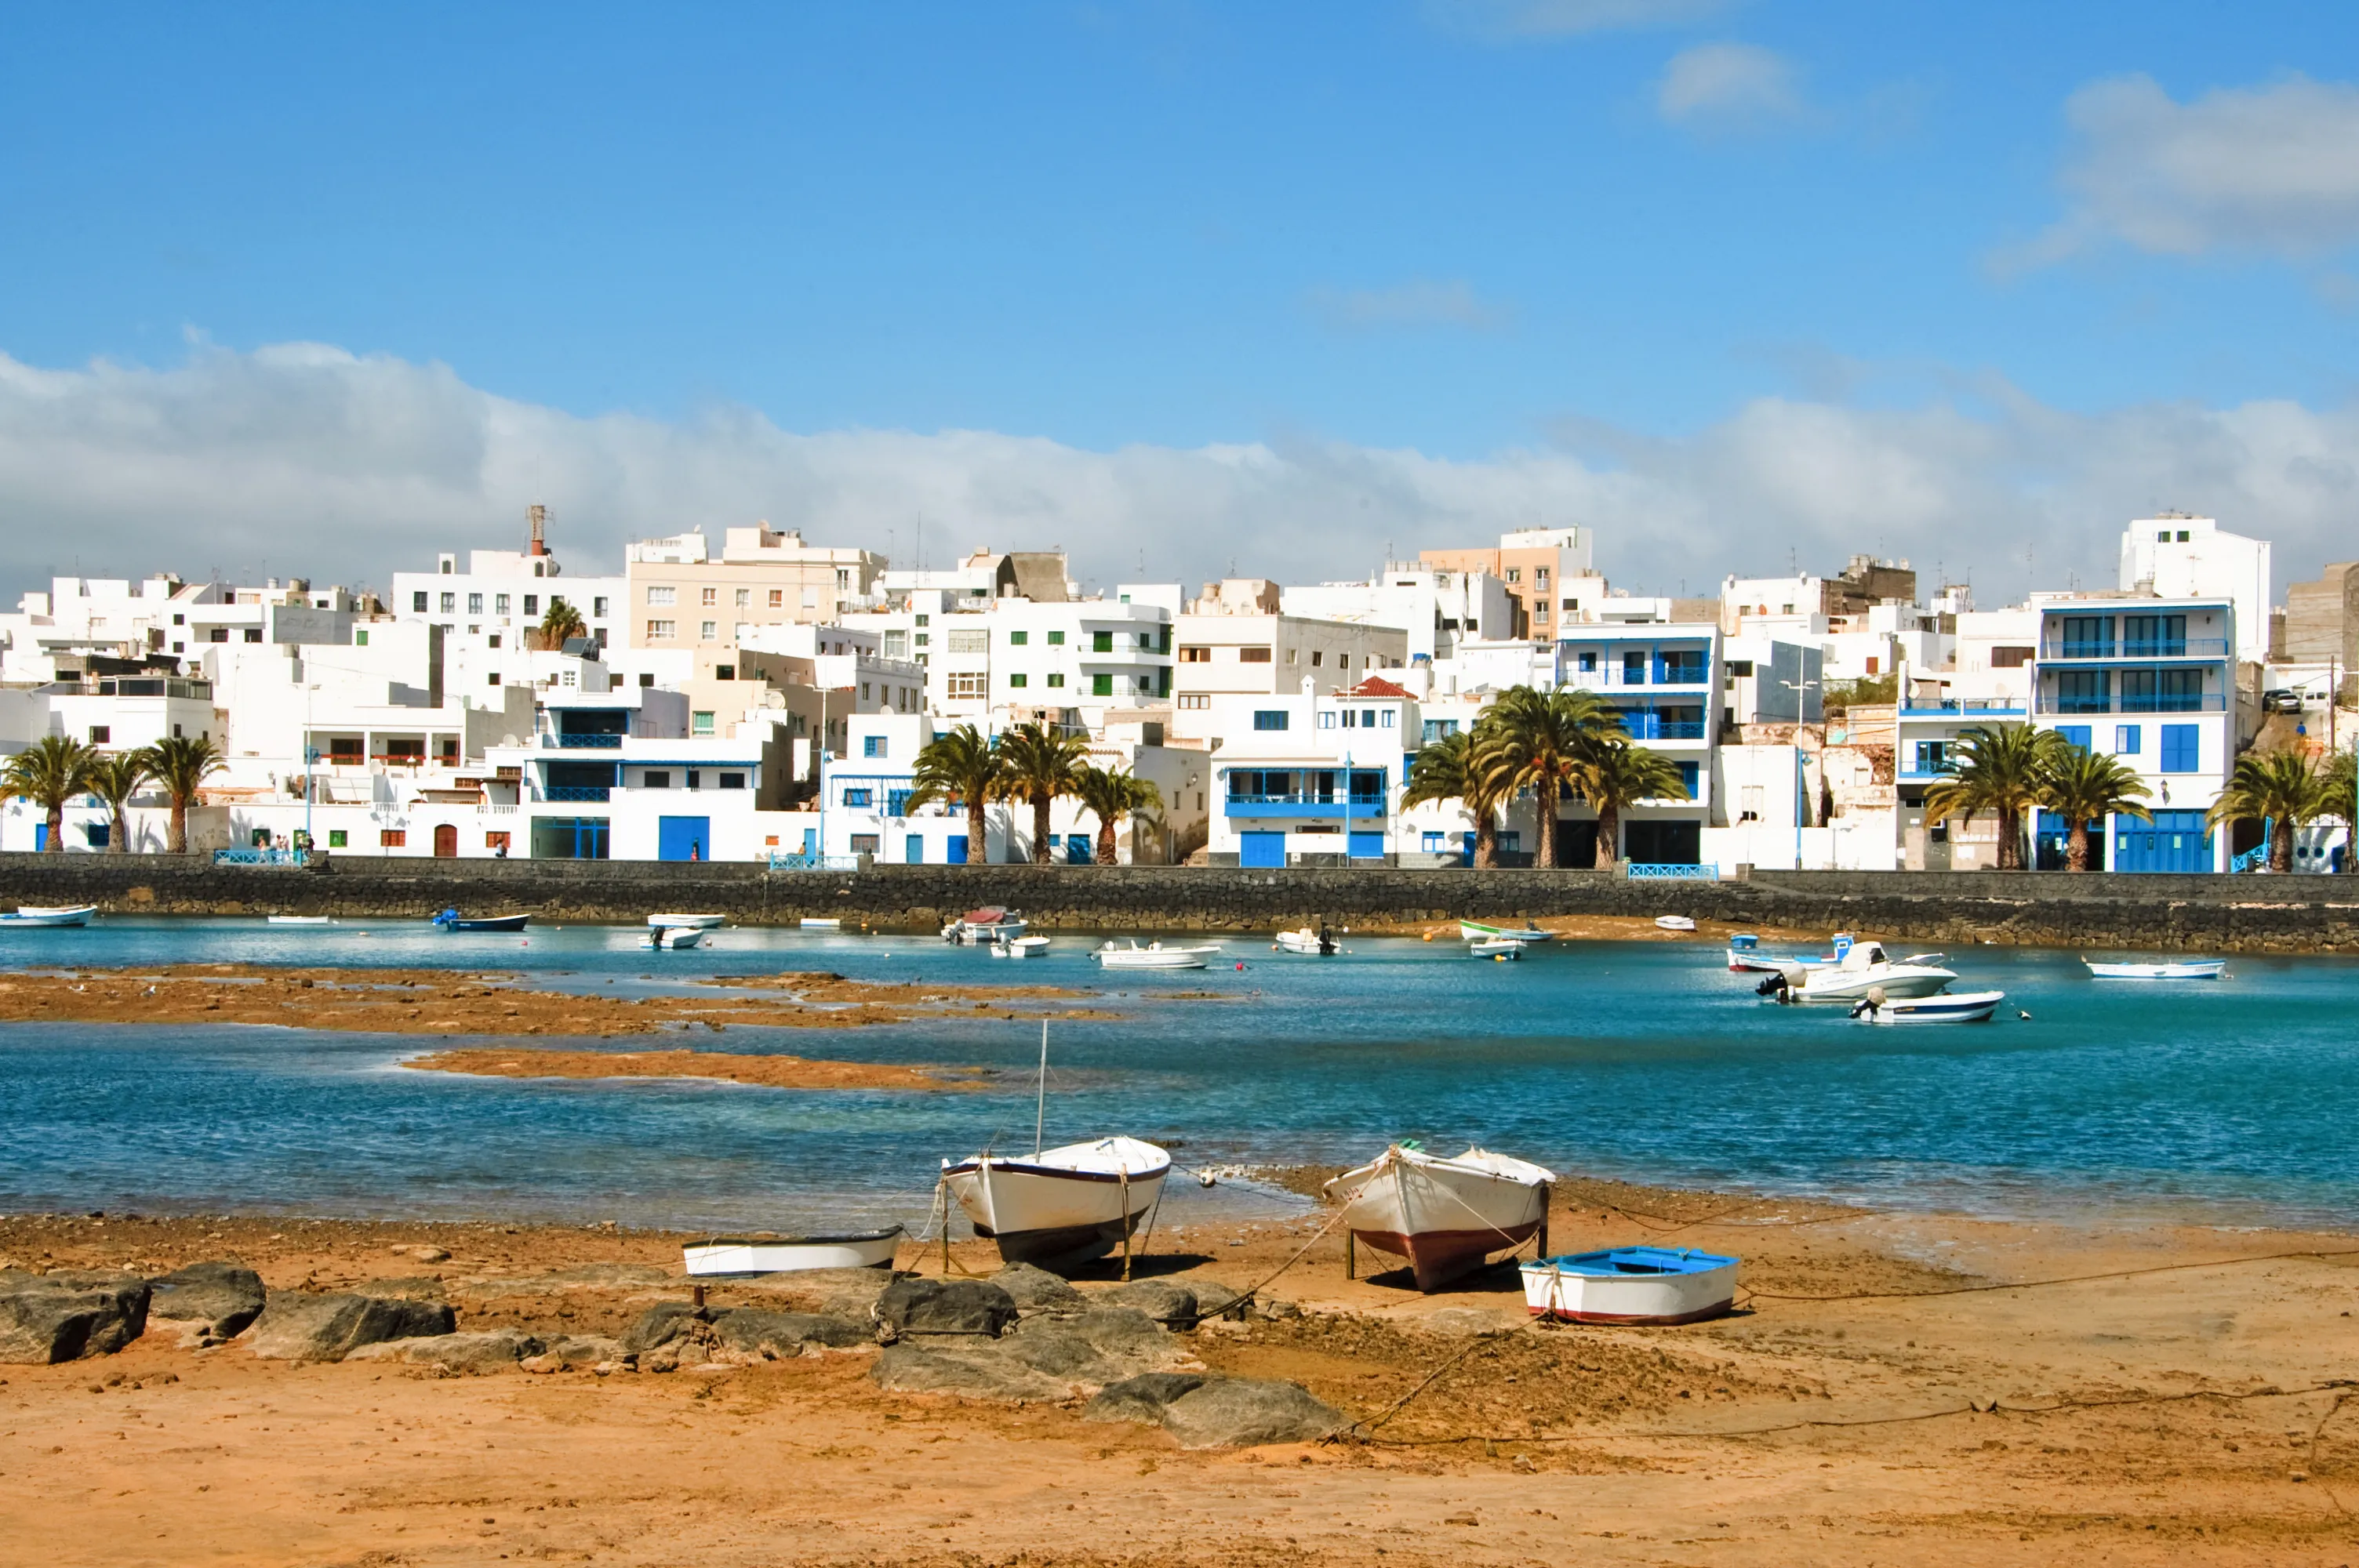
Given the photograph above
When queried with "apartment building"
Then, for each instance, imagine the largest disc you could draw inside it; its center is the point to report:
(683, 595)
(504, 594)
(2174, 554)
(1234, 648)
(1547, 573)
(1436, 606)
(1317, 780)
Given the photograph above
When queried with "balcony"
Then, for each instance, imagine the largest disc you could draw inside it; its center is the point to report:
(1616, 676)
(1646, 726)
(586, 743)
(578, 792)
(2168, 702)
(2057, 649)
(1980, 708)
(1304, 805)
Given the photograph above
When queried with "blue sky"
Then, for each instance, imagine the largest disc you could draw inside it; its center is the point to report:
(1572, 250)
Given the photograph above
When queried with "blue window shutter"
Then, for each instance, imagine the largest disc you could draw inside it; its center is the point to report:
(2074, 735)
(2125, 740)
(2182, 750)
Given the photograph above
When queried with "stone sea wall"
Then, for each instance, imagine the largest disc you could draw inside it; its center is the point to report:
(2096, 909)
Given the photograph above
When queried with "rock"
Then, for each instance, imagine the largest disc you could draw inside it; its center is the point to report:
(300, 1326)
(1244, 1412)
(429, 1254)
(1113, 1331)
(577, 1353)
(1220, 1301)
(754, 1331)
(222, 1299)
(1034, 1288)
(1172, 1305)
(1142, 1397)
(1078, 1365)
(928, 1307)
(978, 1373)
(46, 1318)
(495, 1350)
(664, 1323)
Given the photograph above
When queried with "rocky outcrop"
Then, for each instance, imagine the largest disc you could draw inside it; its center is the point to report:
(495, 1350)
(933, 1307)
(300, 1326)
(1141, 1398)
(666, 1322)
(577, 1353)
(47, 1318)
(751, 1332)
(1173, 1305)
(1049, 1354)
(1218, 1412)
(979, 1374)
(1032, 1288)
(208, 1301)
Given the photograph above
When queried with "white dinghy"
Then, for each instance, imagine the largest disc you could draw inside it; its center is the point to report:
(1309, 942)
(1154, 956)
(51, 914)
(1446, 1217)
(1949, 1007)
(2168, 969)
(1631, 1284)
(695, 922)
(1674, 922)
(673, 938)
(298, 920)
(1020, 947)
(743, 1255)
(1505, 950)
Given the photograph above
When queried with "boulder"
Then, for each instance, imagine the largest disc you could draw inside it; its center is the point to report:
(300, 1326)
(1219, 1300)
(1033, 1289)
(221, 1299)
(753, 1331)
(980, 1373)
(663, 1324)
(1076, 1363)
(928, 1307)
(495, 1350)
(1244, 1412)
(47, 1318)
(1168, 1303)
(1113, 1331)
(577, 1353)
(1142, 1398)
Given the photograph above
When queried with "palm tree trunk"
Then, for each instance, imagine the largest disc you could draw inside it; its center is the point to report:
(1040, 830)
(1544, 798)
(2076, 847)
(116, 832)
(978, 839)
(1105, 842)
(2281, 846)
(180, 825)
(2010, 840)
(56, 844)
(1486, 842)
(1609, 836)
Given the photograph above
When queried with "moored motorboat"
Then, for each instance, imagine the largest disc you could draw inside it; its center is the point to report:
(819, 923)
(1020, 947)
(1059, 1206)
(451, 920)
(1309, 943)
(1475, 930)
(1445, 1216)
(1744, 956)
(990, 924)
(1674, 922)
(1949, 1007)
(2168, 969)
(1631, 1284)
(743, 1255)
(674, 939)
(1865, 966)
(1503, 948)
(1154, 956)
(697, 921)
(51, 914)
(299, 920)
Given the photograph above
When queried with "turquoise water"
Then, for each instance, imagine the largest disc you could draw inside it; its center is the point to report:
(1645, 1061)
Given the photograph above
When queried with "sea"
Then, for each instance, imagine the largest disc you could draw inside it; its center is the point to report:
(2228, 1102)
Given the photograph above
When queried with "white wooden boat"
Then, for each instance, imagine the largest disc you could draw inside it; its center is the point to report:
(819, 923)
(1445, 1216)
(695, 922)
(1949, 1007)
(1630, 1284)
(1020, 947)
(1505, 950)
(300, 920)
(1154, 956)
(1674, 922)
(51, 914)
(2168, 969)
(1865, 966)
(1059, 1206)
(990, 924)
(1310, 943)
(673, 938)
(1744, 956)
(1475, 930)
(725, 1255)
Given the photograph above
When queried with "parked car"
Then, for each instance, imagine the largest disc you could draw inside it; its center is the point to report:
(2284, 699)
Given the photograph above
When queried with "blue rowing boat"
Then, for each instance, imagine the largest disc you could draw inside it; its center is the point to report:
(451, 920)
(1631, 1284)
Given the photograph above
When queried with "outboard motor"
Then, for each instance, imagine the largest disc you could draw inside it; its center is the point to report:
(1773, 986)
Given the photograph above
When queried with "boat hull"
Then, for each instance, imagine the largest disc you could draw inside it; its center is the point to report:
(1308, 944)
(1495, 948)
(695, 922)
(727, 1256)
(1583, 1289)
(39, 914)
(2192, 969)
(1110, 958)
(488, 922)
(1445, 1218)
(1959, 1007)
(1475, 930)
(1851, 986)
(1047, 1216)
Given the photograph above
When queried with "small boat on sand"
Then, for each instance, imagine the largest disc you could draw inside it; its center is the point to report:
(1154, 956)
(1505, 949)
(451, 920)
(51, 914)
(2168, 969)
(696, 922)
(1020, 947)
(1674, 922)
(1311, 942)
(1446, 1217)
(744, 1255)
(1949, 1007)
(673, 938)
(1631, 1284)
(1475, 930)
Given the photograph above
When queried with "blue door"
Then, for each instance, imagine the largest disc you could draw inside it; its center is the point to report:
(957, 847)
(1077, 848)
(683, 838)
(1261, 850)
(913, 848)
(2173, 841)
(1368, 847)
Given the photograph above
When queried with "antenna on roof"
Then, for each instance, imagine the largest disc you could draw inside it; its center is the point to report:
(537, 516)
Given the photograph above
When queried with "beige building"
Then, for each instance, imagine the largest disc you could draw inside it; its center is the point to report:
(1229, 652)
(684, 597)
(1548, 573)
(2322, 618)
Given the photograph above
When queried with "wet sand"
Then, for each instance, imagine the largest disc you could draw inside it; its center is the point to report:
(2188, 1415)
(768, 1072)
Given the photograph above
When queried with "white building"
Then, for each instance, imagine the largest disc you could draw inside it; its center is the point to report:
(2174, 555)
(1228, 660)
(504, 594)
(1317, 780)
(1434, 606)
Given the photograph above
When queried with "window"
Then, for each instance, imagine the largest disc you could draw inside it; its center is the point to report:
(709, 596)
(416, 604)
(1871, 666)
(449, 602)
(1633, 669)
(928, 621)
(597, 607)
(345, 752)
(1514, 574)
(496, 842)
(1435, 728)
(966, 683)
(778, 599)
(968, 641)
(1102, 686)
(392, 838)
(2088, 636)
(1539, 610)
(2125, 740)
(656, 778)
(1388, 719)
(499, 604)
(733, 781)
(493, 679)
(1020, 680)
(660, 628)
(1269, 719)
(2150, 636)
(724, 672)
(336, 838)
(1018, 639)
(647, 678)
(475, 604)
(1327, 720)
(1315, 656)
(692, 778)
(701, 723)
(2009, 658)
(1691, 777)
(1194, 702)
(1740, 667)
(662, 596)
(872, 745)
(1933, 757)
(1057, 678)
(532, 604)
(866, 843)
(923, 638)
(1056, 639)
(364, 641)
(745, 599)
(2084, 691)
(858, 799)
(2182, 536)
(1101, 641)
(2074, 735)
(707, 631)
(1195, 655)
(360, 638)
(2180, 750)
(1253, 656)
(896, 644)
(253, 634)
(101, 733)
(2162, 537)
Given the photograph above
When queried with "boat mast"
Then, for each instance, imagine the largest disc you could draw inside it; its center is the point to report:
(1040, 1105)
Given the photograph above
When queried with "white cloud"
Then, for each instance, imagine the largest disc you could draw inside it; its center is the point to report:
(1565, 18)
(1728, 86)
(2272, 169)
(1422, 303)
(308, 461)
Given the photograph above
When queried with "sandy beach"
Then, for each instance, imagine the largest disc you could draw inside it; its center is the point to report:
(2191, 1410)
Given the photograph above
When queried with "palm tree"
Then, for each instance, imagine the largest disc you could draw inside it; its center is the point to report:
(1112, 796)
(1039, 765)
(2281, 789)
(559, 623)
(959, 766)
(2082, 787)
(2340, 779)
(115, 777)
(181, 766)
(1444, 770)
(2000, 770)
(48, 772)
(1541, 742)
(1616, 774)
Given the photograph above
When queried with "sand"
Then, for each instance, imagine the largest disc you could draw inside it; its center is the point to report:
(2168, 1417)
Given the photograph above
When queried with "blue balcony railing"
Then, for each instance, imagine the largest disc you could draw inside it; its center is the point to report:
(578, 792)
(1664, 872)
(1996, 707)
(589, 743)
(1616, 674)
(2168, 702)
(261, 857)
(806, 861)
(1303, 804)
(2135, 648)
(1646, 726)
